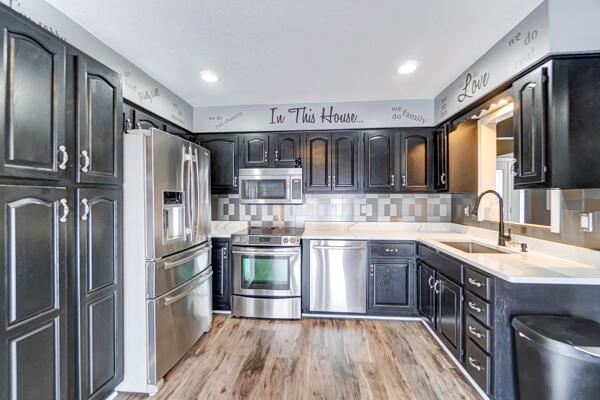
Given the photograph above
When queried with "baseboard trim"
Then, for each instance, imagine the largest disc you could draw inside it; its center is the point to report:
(458, 365)
(354, 316)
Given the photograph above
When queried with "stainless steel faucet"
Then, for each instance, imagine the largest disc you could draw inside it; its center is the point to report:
(502, 238)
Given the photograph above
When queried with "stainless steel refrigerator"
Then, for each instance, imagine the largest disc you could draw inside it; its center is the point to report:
(167, 257)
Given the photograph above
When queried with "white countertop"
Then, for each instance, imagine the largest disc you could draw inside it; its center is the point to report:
(539, 265)
(224, 229)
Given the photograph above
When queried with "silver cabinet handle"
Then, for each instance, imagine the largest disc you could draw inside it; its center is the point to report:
(515, 168)
(393, 180)
(172, 299)
(435, 286)
(474, 364)
(430, 280)
(338, 247)
(138, 125)
(443, 178)
(403, 180)
(372, 269)
(276, 155)
(475, 332)
(334, 180)
(86, 209)
(65, 210)
(65, 157)
(224, 253)
(265, 253)
(128, 125)
(329, 180)
(474, 306)
(235, 181)
(266, 155)
(86, 161)
(475, 283)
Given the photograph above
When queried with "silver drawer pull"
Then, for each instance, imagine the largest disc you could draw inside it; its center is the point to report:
(475, 283)
(437, 289)
(65, 157)
(264, 253)
(172, 299)
(86, 209)
(475, 332)
(474, 364)
(65, 210)
(430, 280)
(86, 161)
(171, 264)
(474, 307)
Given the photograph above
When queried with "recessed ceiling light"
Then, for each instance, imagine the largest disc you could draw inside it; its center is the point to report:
(407, 67)
(209, 76)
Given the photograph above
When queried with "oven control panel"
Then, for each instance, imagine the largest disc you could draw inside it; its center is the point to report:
(265, 240)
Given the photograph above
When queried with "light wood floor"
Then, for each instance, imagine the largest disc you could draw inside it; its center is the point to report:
(314, 359)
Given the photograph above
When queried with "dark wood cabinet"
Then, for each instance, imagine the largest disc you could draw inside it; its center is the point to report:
(33, 334)
(99, 291)
(380, 161)
(415, 159)
(440, 159)
(254, 150)
(221, 278)
(332, 162)
(32, 115)
(530, 123)
(426, 280)
(99, 113)
(128, 117)
(284, 149)
(317, 165)
(449, 314)
(143, 120)
(390, 289)
(224, 164)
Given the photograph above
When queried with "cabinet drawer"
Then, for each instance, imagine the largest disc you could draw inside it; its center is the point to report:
(478, 333)
(478, 308)
(384, 249)
(478, 283)
(479, 366)
(447, 266)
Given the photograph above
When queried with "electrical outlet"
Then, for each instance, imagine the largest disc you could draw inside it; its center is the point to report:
(363, 209)
(586, 221)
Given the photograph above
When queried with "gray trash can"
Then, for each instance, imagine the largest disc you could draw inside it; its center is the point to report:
(558, 357)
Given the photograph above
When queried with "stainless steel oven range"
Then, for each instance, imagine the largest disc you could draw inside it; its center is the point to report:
(267, 273)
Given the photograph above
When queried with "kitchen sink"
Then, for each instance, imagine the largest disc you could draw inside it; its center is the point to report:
(475, 248)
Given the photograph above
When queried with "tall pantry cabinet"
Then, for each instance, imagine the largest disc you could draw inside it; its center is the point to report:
(61, 193)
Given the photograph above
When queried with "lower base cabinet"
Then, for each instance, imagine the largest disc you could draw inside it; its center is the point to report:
(222, 278)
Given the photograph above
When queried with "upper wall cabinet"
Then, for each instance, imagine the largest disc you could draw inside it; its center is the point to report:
(32, 118)
(99, 133)
(440, 159)
(556, 120)
(332, 162)
(416, 150)
(143, 120)
(224, 167)
(260, 150)
(380, 161)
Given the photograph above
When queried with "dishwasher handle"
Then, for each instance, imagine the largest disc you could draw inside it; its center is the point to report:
(321, 247)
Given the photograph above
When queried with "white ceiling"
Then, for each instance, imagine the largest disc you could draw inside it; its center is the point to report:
(277, 51)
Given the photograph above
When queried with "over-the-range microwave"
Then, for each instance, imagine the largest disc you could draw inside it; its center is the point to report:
(271, 186)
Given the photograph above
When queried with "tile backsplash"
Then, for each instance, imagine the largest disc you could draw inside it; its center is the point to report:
(337, 208)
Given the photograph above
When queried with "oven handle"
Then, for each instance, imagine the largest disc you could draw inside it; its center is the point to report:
(172, 299)
(266, 253)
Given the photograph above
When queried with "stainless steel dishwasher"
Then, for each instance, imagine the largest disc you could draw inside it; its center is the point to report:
(338, 276)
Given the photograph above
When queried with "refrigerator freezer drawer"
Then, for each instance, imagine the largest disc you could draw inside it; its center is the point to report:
(176, 321)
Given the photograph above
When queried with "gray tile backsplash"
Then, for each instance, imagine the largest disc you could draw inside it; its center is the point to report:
(337, 208)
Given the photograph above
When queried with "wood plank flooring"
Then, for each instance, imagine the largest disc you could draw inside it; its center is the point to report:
(314, 359)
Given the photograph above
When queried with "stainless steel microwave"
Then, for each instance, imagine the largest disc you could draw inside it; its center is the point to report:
(271, 186)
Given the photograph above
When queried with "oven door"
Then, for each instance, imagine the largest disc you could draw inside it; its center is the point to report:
(265, 189)
(266, 271)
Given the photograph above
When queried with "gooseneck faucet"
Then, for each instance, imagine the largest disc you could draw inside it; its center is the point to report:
(502, 238)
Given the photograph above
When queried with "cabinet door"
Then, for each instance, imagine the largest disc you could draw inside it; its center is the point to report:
(33, 335)
(391, 288)
(317, 166)
(175, 130)
(440, 159)
(285, 149)
(99, 135)
(255, 150)
(415, 148)
(449, 314)
(32, 116)
(224, 165)
(426, 278)
(380, 165)
(143, 120)
(221, 275)
(344, 161)
(99, 291)
(529, 121)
